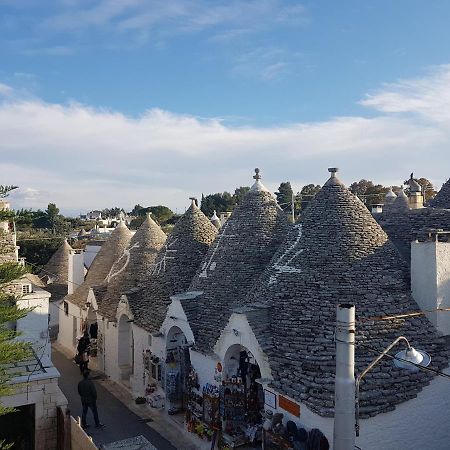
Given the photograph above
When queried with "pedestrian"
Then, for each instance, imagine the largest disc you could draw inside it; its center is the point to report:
(83, 352)
(88, 394)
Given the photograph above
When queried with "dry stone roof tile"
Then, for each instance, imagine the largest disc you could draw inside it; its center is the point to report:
(132, 266)
(243, 248)
(442, 199)
(174, 268)
(338, 253)
(110, 251)
(56, 270)
(407, 225)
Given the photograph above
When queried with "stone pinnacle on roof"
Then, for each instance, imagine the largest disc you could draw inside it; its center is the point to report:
(414, 186)
(257, 185)
(390, 195)
(338, 253)
(216, 221)
(108, 254)
(442, 198)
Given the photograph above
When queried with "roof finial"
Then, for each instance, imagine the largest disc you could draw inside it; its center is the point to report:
(193, 201)
(333, 171)
(257, 176)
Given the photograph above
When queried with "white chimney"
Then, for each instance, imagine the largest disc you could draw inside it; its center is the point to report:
(430, 278)
(76, 270)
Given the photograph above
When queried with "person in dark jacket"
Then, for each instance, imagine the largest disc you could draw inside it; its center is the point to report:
(83, 351)
(88, 394)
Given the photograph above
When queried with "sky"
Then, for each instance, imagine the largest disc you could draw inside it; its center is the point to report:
(116, 102)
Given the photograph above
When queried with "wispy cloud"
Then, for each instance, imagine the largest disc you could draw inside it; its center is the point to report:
(427, 96)
(84, 157)
(266, 63)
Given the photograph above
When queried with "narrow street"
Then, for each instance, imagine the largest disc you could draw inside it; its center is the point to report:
(120, 422)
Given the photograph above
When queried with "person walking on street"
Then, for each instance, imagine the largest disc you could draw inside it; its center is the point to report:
(88, 394)
(83, 352)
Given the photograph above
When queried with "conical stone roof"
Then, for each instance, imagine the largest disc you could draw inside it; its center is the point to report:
(56, 270)
(243, 248)
(400, 204)
(110, 251)
(442, 199)
(339, 254)
(132, 266)
(173, 270)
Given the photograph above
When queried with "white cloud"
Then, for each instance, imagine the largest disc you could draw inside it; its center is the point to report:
(5, 90)
(83, 157)
(428, 96)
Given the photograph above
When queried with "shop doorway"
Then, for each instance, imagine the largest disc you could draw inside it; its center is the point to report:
(18, 428)
(241, 397)
(178, 364)
(125, 348)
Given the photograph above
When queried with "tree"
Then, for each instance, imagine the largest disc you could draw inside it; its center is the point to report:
(11, 350)
(306, 195)
(284, 195)
(240, 193)
(219, 202)
(369, 193)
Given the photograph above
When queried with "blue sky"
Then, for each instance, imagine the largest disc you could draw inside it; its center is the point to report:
(152, 101)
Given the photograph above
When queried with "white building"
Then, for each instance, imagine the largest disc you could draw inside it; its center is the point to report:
(35, 392)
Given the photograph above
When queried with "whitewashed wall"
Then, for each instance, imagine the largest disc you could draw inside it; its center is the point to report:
(69, 326)
(430, 280)
(138, 382)
(34, 326)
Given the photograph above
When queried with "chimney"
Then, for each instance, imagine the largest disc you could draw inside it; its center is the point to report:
(76, 270)
(430, 277)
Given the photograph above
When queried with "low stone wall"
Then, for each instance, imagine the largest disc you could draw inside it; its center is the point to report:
(46, 397)
(79, 440)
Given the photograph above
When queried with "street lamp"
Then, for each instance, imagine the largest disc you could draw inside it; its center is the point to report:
(346, 403)
(408, 359)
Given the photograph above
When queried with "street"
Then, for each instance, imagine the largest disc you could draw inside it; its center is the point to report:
(120, 422)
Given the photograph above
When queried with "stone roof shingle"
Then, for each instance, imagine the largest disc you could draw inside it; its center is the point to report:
(110, 251)
(173, 270)
(56, 270)
(131, 267)
(243, 248)
(339, 254)
(442, 198)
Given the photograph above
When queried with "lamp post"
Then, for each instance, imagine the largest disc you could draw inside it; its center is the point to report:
(406, 359)
(346, 416)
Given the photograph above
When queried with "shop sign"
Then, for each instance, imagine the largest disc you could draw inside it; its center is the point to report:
(270, 399)
(289, 406)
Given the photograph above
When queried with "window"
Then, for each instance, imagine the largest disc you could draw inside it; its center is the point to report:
(66, 308)
(26, 289)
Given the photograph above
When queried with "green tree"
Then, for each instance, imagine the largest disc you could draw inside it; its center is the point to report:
(284, 195)
(307, 194)
(11, 350)
(240, 193)
(220, 202)
(368, 192)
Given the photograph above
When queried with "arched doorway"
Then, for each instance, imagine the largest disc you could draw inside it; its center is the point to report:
(242, 396)
(178, 364)
(125, 348)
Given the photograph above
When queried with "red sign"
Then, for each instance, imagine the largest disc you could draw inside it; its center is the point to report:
(289, 406)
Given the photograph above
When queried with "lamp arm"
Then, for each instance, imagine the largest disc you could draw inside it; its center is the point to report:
(368, 368)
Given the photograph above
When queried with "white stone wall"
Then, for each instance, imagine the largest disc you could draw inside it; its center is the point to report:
(34, 326)
(430, 280)
(443, 285)
(69, 326)
(138, 382)
(46, 396)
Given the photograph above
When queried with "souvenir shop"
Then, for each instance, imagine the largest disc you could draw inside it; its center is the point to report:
(177, 367)
(232, 410)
